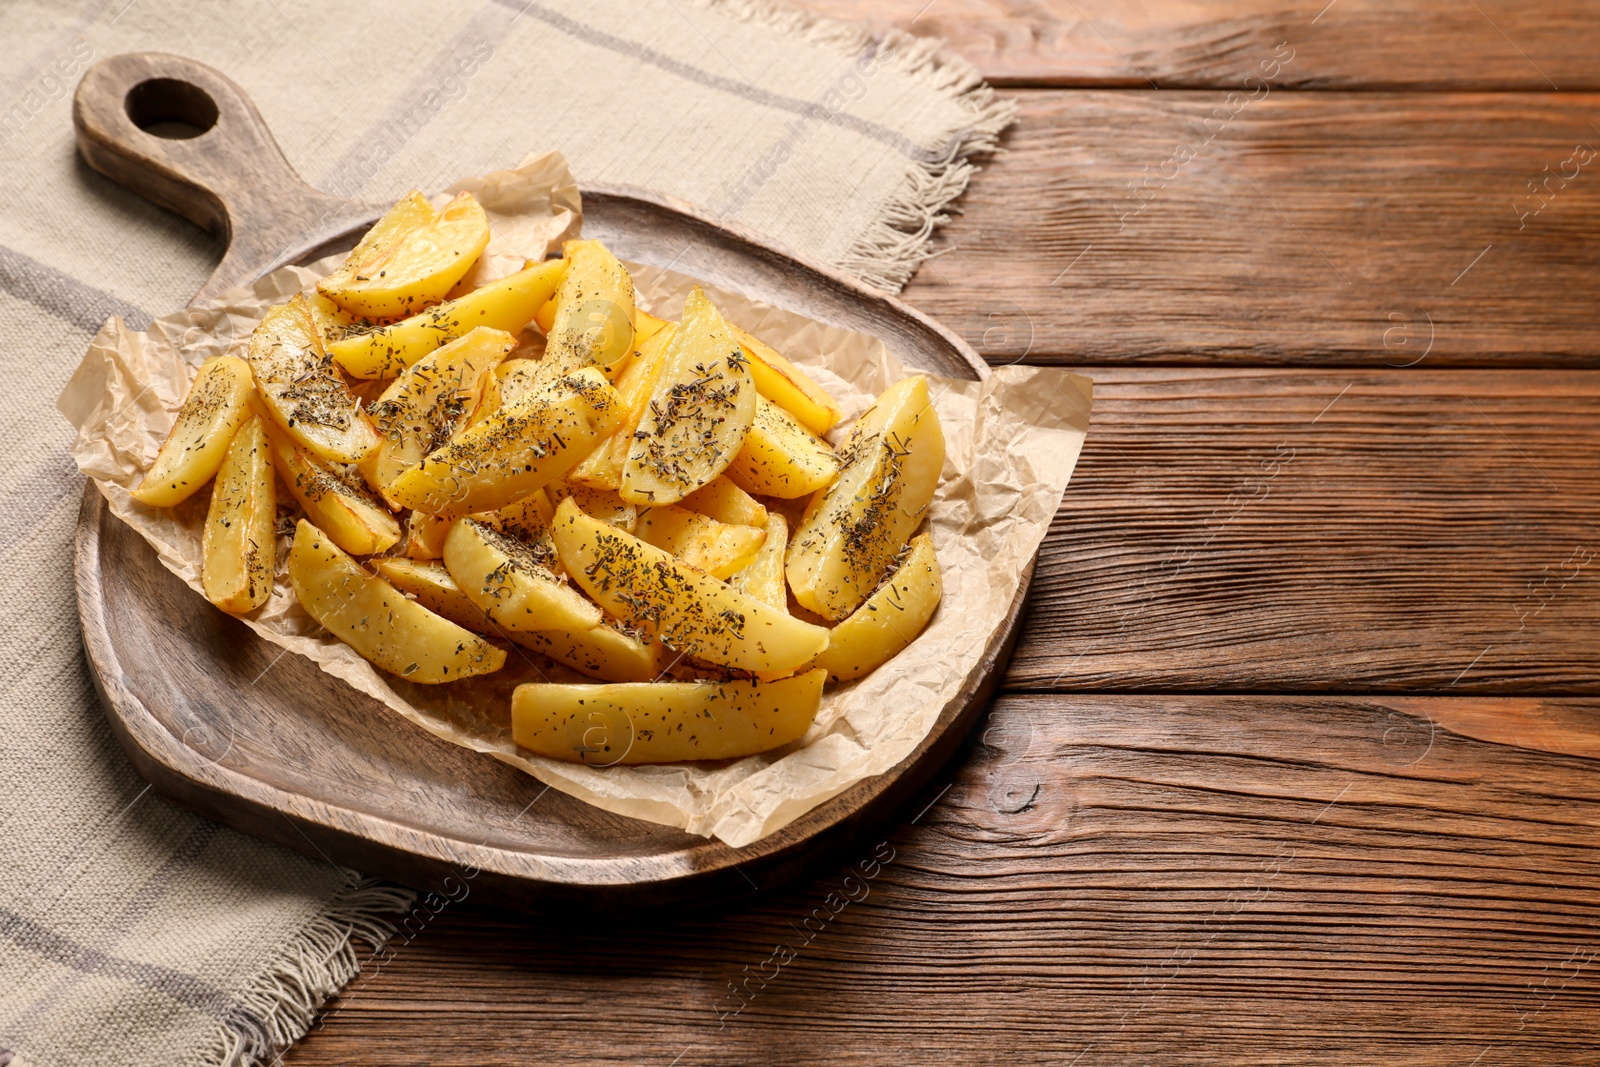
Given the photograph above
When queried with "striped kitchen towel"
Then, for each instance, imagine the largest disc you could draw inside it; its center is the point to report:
(133, 932)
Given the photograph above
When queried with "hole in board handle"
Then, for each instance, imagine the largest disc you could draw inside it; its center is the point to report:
(169, 108)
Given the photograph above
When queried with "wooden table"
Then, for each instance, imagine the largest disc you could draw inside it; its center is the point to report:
(1296, 761)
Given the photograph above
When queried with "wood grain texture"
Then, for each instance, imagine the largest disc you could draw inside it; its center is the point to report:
(1165, 880)
(1357, 531)
(1370, 229)
(1346, 44)
(183, 135)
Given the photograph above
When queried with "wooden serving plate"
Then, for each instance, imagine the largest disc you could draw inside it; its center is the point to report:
(226, 723)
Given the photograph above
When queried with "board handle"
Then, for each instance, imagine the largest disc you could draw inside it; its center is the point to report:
(184, 136)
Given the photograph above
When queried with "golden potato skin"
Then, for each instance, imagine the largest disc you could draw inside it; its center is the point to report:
(333, 322)
(238, 550)
(593, 322)
(425, 535)
(529, 519)
(645, 326)
(489, 398)
(891, 618)
(603, 504)
(515, 581)
(698, 414)
(429, 584)
(604, 652)
(302, 391)
(506, 304)
(692, 612)
(523, 446)
(782, 458)
(411, 258)
(787, 385)
(218, 403)
(663, 722)
(720, 499)
(720, 549)
(853, 530)
(518, 380)
(354, 519)
(425, 406)
(763, 577)
(409, 213)
(602, 468)
(394, 633)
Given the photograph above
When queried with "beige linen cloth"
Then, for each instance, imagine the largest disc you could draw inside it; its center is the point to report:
(132, 932)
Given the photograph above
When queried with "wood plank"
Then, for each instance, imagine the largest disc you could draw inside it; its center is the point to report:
(1175, 44)
(1356, 531)
(1370, 229)
(1197, 880)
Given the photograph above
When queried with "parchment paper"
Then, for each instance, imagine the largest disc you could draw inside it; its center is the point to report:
(1012, 441)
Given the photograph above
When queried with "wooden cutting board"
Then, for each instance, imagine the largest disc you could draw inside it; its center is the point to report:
(222, 721)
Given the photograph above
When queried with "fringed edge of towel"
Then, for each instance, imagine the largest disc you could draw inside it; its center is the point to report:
(898, 241)
(279, 1006)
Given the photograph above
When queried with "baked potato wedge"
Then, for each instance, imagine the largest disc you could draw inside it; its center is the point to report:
(788, 386)
(645, 326)
(410, 258)
(602, 468)
(762, 578)
(428, 583)
(394, 633)
(664, 722)
(719, 549)
(782, 458)
(698, 414)
(604, 652)
(489, 398)
(411, 212)
(297, 381)
(424, 407)
(889, 620)
(722, 500)
(646, 587)
(853, 530)
(529, 519)
(515, 580)
(518, 379)
(239, 550)
(217, 404)
(526, 444)
(507, 304)
(425, 534)
(593, 322)
(354, 519)
(603, 504)
(334, 323)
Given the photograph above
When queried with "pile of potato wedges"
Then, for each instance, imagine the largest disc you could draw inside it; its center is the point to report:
(537, 467)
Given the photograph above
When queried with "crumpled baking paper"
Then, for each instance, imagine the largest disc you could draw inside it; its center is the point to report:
(1012, 441)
